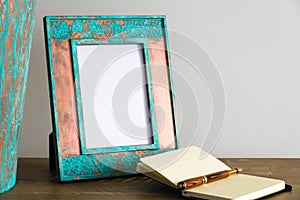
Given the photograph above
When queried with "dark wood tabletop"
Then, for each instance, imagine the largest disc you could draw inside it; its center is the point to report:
(36, 181)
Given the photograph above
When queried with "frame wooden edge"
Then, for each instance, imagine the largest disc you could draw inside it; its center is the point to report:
(172, 93)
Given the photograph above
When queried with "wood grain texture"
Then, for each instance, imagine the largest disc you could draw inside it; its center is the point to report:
(36, 182)
(16, 25)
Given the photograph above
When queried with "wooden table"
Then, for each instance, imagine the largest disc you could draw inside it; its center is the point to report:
(36, 181)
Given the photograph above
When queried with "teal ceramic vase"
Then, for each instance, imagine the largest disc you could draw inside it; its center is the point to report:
(16, 25)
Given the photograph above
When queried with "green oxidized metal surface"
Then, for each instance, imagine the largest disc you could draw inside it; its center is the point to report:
(62, 33)
(95, 28)
(16, 24)
(100, 166)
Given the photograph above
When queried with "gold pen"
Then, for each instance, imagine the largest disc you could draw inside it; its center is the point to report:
(193, 182)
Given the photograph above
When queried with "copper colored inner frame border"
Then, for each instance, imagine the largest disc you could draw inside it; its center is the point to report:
(66, 100)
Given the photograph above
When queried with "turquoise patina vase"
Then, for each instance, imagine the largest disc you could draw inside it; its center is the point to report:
(16, 24)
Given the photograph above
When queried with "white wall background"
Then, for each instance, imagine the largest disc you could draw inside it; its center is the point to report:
(255, 46)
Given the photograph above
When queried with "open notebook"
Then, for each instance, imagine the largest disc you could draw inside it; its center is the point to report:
(172, 167)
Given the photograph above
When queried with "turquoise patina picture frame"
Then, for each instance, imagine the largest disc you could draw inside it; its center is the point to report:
(62, 34)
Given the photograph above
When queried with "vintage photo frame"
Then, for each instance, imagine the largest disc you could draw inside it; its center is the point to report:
(74, 160)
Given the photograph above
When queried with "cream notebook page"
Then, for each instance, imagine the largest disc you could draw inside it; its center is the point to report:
(238, 187)
(190, 162)
(181, 164)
